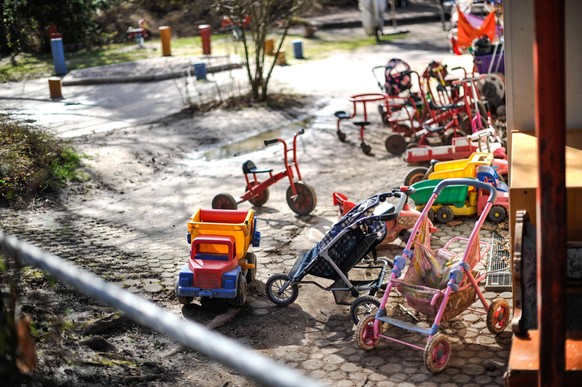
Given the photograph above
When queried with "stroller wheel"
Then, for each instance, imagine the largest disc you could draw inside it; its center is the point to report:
(276, 293)
(437, 353)
(363, 307)
(497, 316)
(365, 337)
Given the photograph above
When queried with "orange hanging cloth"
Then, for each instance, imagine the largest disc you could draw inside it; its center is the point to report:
(466, 33)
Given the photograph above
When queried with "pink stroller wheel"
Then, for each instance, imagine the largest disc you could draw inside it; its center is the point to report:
(498, 316)
(365, 337)
(437, 353)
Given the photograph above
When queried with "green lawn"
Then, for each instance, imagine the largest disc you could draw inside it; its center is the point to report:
(32, 66)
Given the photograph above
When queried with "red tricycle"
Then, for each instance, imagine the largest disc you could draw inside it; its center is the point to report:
(301, 197)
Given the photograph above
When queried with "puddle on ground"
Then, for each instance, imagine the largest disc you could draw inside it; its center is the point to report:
(254, 143)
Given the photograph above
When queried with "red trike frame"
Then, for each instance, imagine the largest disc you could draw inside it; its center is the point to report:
(301, 197)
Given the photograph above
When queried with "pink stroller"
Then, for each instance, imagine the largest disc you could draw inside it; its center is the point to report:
(440, 284)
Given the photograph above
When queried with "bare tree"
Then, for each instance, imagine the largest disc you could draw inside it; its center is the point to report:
(256, 20)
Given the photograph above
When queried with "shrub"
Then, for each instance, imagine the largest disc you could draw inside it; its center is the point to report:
(32, 162)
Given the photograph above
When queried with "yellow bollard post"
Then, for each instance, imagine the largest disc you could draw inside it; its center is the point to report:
(165, 36)
(269, 47)
(55, 87)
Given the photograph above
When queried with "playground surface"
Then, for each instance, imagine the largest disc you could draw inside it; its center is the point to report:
(152, 163)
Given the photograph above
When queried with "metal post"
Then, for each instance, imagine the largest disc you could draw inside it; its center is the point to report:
(550, 127)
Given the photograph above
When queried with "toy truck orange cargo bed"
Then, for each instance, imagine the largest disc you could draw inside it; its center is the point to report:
(238, 224)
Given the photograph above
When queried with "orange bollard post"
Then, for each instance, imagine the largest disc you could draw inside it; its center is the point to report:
(205, 33)
(165, 36)
(55, 87)
(269, 47)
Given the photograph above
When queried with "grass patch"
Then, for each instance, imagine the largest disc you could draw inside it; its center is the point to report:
(32, 66)
(33, 162)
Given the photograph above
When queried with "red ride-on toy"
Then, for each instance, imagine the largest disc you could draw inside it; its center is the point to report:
(441, 126)
(362, 120)
(301, 197)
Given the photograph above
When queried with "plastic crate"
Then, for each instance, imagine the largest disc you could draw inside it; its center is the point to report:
(453, 194)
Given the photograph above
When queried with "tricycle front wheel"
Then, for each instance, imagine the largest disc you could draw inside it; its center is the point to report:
(305, 201)
(281, 297)
(224, 201)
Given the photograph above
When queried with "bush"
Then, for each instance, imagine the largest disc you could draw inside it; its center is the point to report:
(32, 162)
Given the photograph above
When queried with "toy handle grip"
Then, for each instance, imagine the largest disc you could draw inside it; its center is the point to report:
(271, 141)
(474, 183)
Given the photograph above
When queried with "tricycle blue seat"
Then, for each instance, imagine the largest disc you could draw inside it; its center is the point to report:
(341, 115)
(250, 167)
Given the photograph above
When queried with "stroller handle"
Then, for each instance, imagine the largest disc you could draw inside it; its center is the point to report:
(472, 182)
(393, 214)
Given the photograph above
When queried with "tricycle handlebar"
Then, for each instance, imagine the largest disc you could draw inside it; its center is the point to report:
(274, 140)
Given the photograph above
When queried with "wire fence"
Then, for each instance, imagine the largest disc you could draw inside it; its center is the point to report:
(191, 334)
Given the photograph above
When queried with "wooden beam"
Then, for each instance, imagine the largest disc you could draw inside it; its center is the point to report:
(550, 126)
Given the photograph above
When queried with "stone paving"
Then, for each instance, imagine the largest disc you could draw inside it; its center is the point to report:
(143, 256)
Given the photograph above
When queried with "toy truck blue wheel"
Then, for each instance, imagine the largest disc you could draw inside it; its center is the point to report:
(184, 300)
(241, 292)
(251, 274)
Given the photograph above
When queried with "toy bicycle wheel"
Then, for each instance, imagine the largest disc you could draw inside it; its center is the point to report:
(281, 298)
(364, 335)
(261, 197)
(241, 292)
(415, 175)
(224, 201)
(497, 214)
(251, 259)
(498, 316)
(363, 307)
(395, 144)
(437, 353)
(305, 200)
